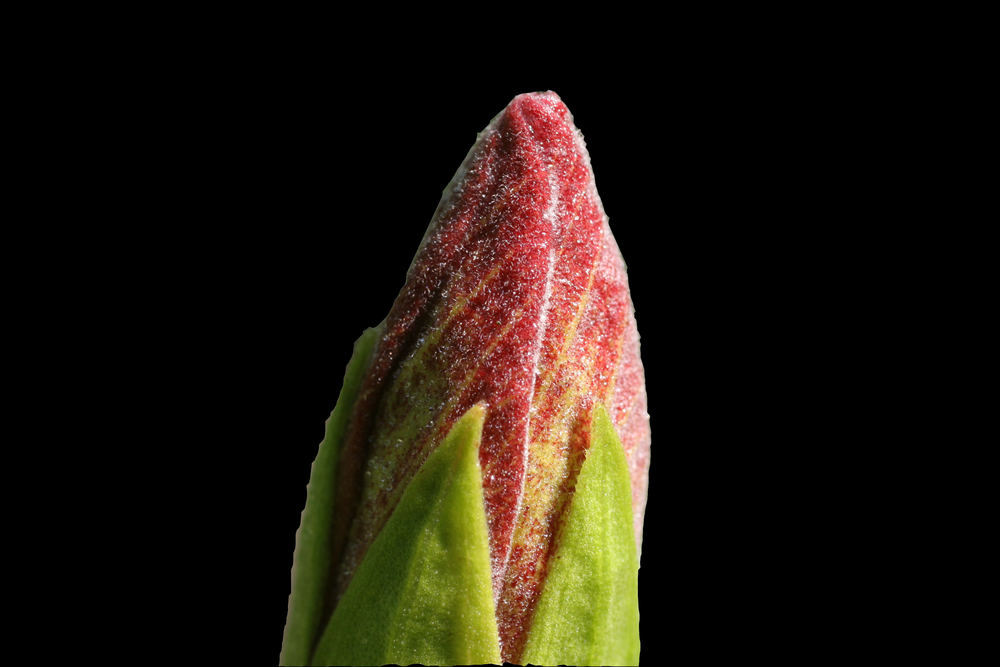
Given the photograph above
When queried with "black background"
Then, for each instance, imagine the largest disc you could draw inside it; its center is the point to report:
(347, 220)
(222, 203)
(335, 185)
(292, 190)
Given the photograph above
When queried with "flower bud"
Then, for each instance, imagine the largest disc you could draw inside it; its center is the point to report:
(494, 425)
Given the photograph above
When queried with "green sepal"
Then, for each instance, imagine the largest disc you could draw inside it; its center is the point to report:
(423, 592)
(588, 613)
(311, 569)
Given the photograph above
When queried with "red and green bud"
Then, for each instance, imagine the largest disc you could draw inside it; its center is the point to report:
(480, 492)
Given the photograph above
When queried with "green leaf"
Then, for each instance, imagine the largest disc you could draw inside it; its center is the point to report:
(311, 568)
(588, 613)
(423, 592)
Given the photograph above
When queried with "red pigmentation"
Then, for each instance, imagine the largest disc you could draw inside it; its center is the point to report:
(517, 298)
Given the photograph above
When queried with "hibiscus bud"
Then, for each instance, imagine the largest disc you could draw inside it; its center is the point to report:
(480, 492)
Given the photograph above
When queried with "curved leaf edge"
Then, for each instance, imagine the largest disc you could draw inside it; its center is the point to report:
(311, 561)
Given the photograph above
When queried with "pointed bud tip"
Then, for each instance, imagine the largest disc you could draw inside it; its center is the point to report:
(537, 108)
(543, 96)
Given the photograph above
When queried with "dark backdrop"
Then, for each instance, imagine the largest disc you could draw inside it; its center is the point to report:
(299, 189)
(322, 191)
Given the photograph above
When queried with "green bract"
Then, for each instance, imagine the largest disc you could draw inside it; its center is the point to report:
(589, 610)
(423, 592)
